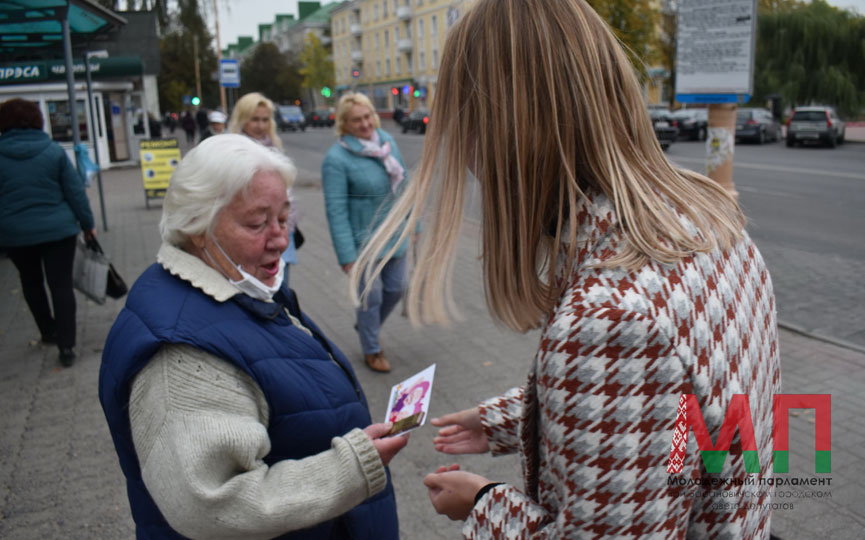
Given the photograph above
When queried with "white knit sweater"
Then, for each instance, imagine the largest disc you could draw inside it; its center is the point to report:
(199, 426)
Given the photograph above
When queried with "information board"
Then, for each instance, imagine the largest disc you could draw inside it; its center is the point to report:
(229, 73)
(715, 51)
(159, 158)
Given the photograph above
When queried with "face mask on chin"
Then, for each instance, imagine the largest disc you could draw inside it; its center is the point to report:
(249, 284)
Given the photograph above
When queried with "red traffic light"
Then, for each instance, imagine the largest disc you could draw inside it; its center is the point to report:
(355, 73)
(394, 91)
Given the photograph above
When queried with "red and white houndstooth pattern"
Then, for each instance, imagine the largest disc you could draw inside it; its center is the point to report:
(595, 419)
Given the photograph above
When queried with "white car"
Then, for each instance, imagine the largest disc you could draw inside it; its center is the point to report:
(815, 124)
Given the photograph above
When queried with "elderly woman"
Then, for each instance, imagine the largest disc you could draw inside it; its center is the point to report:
(43, 206)
(232, 414)
(253, 116)
(640, 274)
(362, 174)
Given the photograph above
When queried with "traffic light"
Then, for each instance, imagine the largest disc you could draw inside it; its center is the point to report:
(394, 91)
(416, 93)
(326, 91)
(195, 100)
(355, 73)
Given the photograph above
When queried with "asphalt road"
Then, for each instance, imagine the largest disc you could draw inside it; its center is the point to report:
(805, 211)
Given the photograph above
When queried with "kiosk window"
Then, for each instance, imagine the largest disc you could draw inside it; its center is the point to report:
(58, 116)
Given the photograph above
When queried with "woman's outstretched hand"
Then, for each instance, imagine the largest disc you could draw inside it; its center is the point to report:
(452, 491)
(387, 447)
(461, 433)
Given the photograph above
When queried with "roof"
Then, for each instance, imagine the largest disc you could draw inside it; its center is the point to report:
(29, 27)
(322, 14)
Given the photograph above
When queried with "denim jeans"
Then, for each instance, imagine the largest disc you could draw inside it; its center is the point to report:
(384, 296)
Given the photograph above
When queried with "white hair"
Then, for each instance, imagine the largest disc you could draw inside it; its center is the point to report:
(209, 177)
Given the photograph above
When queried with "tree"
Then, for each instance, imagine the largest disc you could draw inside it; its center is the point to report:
(667, 41)
(635, 23)
(186, 33)
(812, 53)
(270, 72)
(316, 66)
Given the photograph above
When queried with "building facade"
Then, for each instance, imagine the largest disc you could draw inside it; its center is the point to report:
(390, 50)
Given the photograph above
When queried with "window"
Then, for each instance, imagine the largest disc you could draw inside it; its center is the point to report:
(398, 65)
(375, 12)
(387, 67)
(408, 66)
(61, 127)
(386, 39)
(377, 42)
(422, 61)
(396, 33)
(435, 59)
(378, 68)
(434, 27)
(384, 9)
(420, 28)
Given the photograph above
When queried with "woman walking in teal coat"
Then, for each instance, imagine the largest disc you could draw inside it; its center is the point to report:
(42, 204)
(363, 173)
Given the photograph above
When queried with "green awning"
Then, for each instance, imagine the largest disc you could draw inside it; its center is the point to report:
(32, 25)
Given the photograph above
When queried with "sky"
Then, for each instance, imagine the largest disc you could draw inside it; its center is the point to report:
(242, 17)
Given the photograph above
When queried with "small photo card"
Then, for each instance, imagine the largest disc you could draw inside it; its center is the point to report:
(409, 401)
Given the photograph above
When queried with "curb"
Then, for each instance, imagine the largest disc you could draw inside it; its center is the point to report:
(796, 329)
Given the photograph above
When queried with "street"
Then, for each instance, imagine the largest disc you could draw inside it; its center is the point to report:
(805, 212)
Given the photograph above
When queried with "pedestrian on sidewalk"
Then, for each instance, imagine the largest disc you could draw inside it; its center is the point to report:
(639, 273)
(363, 173)
(232, 414)
(217, 124)
(43, 206)
(253, 116)
(187, 122)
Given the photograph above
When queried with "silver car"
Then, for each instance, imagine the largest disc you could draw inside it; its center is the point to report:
(815, 124)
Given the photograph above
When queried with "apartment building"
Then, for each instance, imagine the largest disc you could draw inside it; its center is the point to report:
(390, 49)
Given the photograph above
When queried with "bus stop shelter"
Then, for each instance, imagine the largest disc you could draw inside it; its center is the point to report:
(31, 29)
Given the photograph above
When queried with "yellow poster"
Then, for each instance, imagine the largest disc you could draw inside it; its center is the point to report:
(159, 158)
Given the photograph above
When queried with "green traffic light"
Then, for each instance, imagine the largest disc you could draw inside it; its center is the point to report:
(196, 100)
(325, 91)
(417, 93)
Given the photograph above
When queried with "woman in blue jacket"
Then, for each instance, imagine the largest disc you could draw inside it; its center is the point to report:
(42, 205)
(362, 175)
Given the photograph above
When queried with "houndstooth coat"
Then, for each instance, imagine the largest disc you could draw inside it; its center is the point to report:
(594, 421)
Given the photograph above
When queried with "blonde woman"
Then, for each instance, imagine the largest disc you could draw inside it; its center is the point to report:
(253, 116)
(639, 273)
(362, 175)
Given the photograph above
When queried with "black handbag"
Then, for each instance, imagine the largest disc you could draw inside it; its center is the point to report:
(298, 238)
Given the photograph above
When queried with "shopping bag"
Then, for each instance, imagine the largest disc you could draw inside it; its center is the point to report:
(94, 275)
(90, 272)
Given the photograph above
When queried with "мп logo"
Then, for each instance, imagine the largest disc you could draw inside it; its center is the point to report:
(739, 416)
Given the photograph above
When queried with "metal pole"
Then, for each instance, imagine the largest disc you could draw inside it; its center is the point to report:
(95, 141)
(219, 56)
(70, 81)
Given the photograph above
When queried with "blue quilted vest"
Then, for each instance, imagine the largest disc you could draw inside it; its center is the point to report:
(309, 385)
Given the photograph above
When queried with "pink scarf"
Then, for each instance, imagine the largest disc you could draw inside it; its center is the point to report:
(374, 148)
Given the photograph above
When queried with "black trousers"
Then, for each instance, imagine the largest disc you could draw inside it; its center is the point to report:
(51, 261)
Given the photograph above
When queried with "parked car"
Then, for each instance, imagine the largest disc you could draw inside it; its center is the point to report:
(692, 123)
(815, 124)
(757, 125)
(290, 117)
(665, 126)
(416, 120)
(320, 118)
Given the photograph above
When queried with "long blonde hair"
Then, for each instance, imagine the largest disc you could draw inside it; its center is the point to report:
(539, 99)
(245, 108)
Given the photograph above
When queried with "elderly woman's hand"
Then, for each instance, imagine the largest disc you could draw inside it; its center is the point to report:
(387, 447)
